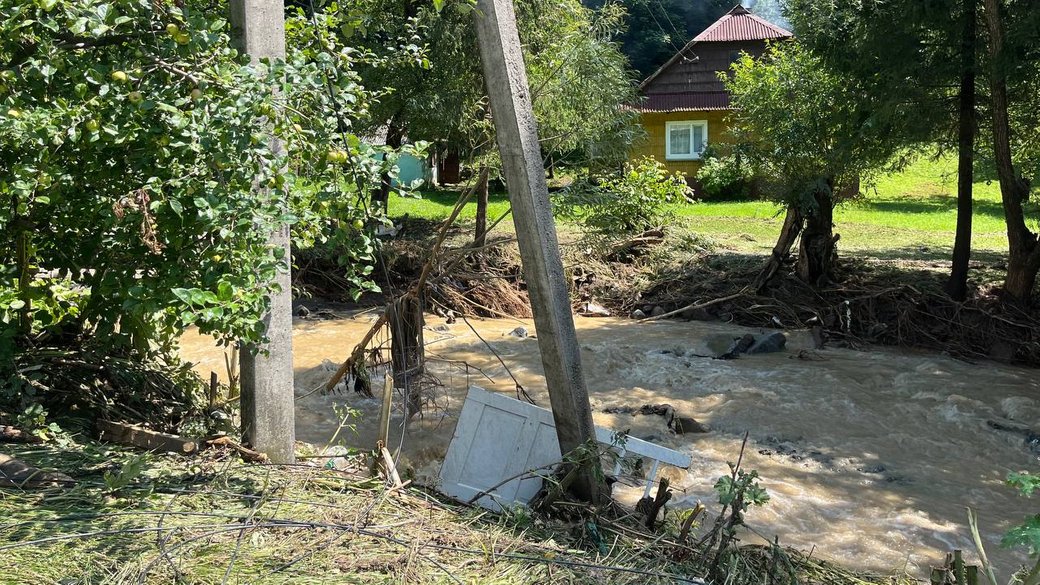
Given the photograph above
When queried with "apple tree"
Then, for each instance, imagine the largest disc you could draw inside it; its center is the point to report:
(132, 137)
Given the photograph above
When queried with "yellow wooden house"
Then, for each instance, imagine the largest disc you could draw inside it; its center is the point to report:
(684, 104)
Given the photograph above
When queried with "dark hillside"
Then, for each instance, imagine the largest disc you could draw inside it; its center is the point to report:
(657, 29)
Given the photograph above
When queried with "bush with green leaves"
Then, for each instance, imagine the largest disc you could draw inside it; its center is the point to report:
(132, 137)
(724, 175)
(629, 202)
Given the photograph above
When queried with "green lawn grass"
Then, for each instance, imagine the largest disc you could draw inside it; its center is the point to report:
(910, 213)
(910, 210)
(437, 205)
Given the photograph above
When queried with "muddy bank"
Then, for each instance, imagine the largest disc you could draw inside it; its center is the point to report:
(869, 300)
(870, 456)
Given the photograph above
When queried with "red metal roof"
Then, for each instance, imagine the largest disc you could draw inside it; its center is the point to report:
(740, 25)
(737, 25)
(684, 102)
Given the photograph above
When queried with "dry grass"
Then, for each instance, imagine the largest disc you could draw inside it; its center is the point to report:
(214, 519)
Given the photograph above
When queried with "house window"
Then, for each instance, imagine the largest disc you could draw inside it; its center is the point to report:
(686, 139)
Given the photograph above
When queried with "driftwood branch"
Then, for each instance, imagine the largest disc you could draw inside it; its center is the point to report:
(695, 306)
(16, 474)
(246, 453)
(9, 434)
(636, 243)
(150, 440)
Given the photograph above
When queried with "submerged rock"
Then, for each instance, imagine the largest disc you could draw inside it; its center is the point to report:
(751, 344)
(1032, 438)
(739, 346)
(682, 425)
(769, 343)
(877, 468)
(520, 332)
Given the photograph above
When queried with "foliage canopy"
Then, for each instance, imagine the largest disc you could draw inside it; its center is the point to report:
(132, 137)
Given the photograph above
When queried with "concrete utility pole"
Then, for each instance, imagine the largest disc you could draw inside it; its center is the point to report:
(517, 133)
(268, 417)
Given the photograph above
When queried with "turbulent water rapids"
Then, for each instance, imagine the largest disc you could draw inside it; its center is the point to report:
(871, 456)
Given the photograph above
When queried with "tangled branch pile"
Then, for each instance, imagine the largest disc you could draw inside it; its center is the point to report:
(85, 385)
(486, 282)
(870, 303)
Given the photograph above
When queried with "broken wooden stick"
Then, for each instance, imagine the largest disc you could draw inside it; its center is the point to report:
(133, 435)
(390, 468)
(687, 523)
(660, 499)
(246, 453)
(384, 411)
(695, 306)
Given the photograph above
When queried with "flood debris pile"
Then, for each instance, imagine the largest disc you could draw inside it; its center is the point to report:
(147, 518)
(683, 277)
(676, 423)
(79, 385)
(869, 302)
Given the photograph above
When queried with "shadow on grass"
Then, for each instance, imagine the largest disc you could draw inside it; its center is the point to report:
(928, 205)
(923, 253)
(91, 504)
(448, 197)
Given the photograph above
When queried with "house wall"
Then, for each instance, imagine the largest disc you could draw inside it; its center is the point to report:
(654, 143)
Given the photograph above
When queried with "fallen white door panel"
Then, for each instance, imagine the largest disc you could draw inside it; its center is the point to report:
(499, 438)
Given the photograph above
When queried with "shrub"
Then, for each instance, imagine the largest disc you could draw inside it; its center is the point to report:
(724, 176)
(630, 202)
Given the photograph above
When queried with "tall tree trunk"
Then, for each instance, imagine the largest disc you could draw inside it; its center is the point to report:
(782, 250)
(957, 285)
(480, 234)
(394, 137)
(817, 249)
(1023, 250)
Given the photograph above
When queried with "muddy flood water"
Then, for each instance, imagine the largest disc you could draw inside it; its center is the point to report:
(870, 455)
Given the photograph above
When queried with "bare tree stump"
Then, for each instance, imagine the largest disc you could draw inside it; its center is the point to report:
(407, 351)
(793, 222)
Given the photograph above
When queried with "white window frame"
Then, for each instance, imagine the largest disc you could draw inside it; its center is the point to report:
(693, 155)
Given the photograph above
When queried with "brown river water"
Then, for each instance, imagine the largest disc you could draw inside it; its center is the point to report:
(871, 456)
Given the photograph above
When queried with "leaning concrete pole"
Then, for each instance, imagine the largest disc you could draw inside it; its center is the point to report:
(267, 380)
(510, 95)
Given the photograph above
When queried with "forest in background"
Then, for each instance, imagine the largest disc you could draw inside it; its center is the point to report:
(658, 29)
